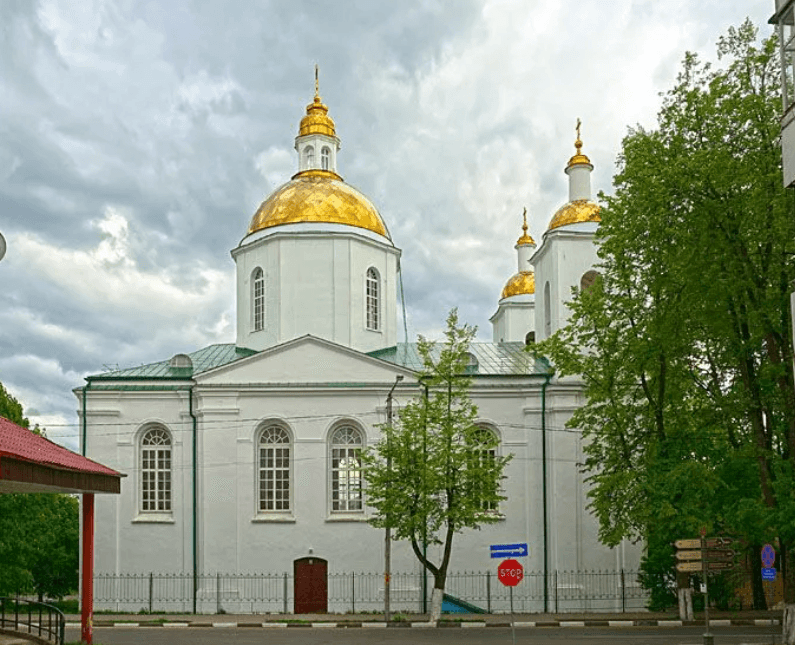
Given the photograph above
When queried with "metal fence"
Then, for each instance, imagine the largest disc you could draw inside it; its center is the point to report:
(350, 592)
(32, 618)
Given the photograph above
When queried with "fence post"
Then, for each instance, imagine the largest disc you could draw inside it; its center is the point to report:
(623, 592)
(556, 591)
(151, 586)
(353, 592)
(488, 591)
(217, 593)
(285, 592)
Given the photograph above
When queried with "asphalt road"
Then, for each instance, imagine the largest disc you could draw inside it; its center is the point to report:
(426, 636)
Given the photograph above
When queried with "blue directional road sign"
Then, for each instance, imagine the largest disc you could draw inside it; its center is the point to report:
(509, 550)
(768, 573)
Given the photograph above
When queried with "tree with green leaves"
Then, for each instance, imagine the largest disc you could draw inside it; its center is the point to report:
(39, 534)
(435, 472)
(688, 368)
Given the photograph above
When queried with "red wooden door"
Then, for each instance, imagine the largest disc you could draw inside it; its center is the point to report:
(310, 586)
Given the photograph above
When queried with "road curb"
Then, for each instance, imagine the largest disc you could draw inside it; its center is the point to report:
(445, 624)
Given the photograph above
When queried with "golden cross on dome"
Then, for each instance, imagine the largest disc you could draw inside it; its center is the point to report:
(524, 217)
(317, 82)
(579, 123)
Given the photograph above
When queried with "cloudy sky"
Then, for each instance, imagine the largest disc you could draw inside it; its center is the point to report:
(137, 139)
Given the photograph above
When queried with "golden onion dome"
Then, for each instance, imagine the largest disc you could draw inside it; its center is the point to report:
(317, 120)
(526, 239)
(318, 196)
(579, 157)
(522, 283)
(576, 212)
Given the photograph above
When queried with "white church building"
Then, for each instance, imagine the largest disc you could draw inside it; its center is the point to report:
(242, 458)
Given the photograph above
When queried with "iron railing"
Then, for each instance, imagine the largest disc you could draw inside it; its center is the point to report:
(32, 617)
(566, 591)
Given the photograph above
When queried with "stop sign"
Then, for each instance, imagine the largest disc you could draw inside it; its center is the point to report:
(510, 572)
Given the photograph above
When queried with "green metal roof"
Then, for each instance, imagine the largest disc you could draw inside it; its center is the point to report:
(202, 359)
(491, 359)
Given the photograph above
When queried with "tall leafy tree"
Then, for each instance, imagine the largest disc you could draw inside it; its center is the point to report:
(444, 474)
(39, 541)
(690, 413)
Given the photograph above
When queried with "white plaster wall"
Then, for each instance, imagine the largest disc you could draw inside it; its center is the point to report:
(515, 317)
(234, 539)
(566, 254)
(315, 284)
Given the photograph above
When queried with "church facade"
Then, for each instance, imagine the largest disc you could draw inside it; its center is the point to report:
(243, 457)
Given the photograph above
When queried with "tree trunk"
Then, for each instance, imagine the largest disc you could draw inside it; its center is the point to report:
(684, 594)
(436, 604)
(685, 603)
(788, 625)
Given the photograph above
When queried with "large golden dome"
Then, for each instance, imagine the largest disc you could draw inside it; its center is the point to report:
(519, 284)
(318, 196)
(580, 210)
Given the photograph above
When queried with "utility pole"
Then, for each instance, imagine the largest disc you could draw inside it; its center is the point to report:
(388, 531)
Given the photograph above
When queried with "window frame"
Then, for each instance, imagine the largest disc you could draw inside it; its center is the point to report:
(325, 158)
(287, 445)
(160, 474)
(372, 299)
(493, 452)
(353, 504)
(309, 157)
(258, 299)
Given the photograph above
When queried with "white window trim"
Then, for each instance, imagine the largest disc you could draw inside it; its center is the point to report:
(346, 514)
(274, 515)
(154, 515)
(257, 275)
(378, 301)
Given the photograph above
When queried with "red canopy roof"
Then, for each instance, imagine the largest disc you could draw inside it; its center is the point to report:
(23, 445)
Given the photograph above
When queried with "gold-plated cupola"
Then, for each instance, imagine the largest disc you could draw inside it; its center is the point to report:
(317, 120)
(579, 157)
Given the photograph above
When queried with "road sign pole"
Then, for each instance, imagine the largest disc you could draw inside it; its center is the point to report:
(513, 627)
(708, 638)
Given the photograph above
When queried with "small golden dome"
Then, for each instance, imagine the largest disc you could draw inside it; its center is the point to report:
(317, 120)
(579, 157)
(318, 196)
(525, 240)
(581, 210)
(522, 283)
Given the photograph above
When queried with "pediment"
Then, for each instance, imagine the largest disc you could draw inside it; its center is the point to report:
(305, 360)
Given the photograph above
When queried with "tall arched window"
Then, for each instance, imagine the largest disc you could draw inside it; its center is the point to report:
(156, 471)
(484, 445)
(547, 312)
(325, 158)
(274, 469)
(309, 157)
(373, 298)
(258, 299)
(346, 469)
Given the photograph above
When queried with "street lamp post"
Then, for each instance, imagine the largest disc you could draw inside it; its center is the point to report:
(388, 531)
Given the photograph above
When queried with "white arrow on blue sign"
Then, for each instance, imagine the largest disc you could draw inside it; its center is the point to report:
(509, 550)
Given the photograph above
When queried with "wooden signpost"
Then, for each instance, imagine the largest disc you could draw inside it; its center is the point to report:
(704, 555)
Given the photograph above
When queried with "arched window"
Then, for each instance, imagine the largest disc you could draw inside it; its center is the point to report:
(346, 469)
(484, 443)
(325, 158)
(156, 471)
(588, 279)
(258, 299)
(274, 469)
(373, 299)
(547, 312)
(309, 157)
